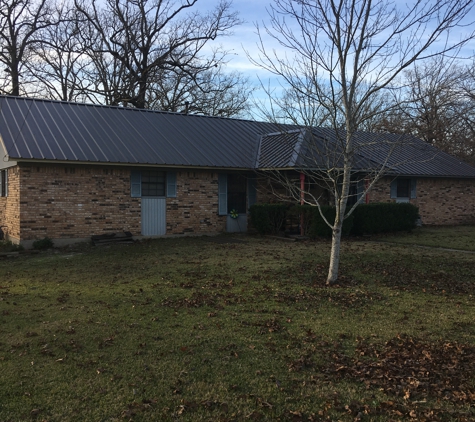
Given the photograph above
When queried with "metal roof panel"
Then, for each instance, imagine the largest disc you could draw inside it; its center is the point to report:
(52, 130)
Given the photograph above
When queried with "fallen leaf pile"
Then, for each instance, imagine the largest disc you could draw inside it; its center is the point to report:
(411, 372)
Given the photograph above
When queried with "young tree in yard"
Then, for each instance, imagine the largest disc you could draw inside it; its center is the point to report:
(341, 55)
(20, 23)
(145, 37)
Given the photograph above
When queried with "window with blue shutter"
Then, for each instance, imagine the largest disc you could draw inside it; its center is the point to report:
(171, 184)
(222, 194)
(152, 183)
(394, 189)
(360, 189)
(251, 191)
(403, 188)
(4, 183)
(135, 183)
(413, 188)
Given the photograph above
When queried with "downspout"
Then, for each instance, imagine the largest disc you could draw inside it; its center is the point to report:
(302, 201)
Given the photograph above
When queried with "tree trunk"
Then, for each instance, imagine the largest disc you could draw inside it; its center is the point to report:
(15, 79)
(335, 252)
(340, 209)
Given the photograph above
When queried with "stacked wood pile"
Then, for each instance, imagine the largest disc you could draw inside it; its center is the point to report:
(106, 239)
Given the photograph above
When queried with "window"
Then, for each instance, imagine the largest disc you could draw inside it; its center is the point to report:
(356, 191)
(236, 193)
(3, 182)
(403, 189)
(153, 183)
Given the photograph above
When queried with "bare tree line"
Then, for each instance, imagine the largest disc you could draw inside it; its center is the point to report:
(437, 104)
(143, 53)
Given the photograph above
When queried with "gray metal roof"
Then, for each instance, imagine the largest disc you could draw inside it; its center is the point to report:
(53, 130)
(45, 130)
(322, 149)
(280, 149)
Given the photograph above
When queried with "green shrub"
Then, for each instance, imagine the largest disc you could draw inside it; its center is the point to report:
(268, 218)
(315, 226)
(384, 218)
(8, 246)
(42, 244)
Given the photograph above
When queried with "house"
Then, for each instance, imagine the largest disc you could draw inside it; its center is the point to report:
(72, 170)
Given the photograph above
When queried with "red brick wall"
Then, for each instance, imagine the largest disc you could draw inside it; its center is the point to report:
(441, 201)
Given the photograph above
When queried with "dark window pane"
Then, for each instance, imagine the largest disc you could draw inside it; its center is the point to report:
(153, 183)
(403, 188)
(237, 193)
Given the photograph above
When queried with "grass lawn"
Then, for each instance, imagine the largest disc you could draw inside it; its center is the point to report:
(458, 237)
(237, 329)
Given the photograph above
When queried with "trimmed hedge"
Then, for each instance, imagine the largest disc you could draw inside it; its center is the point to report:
(315, 226)
(365, 219)
(268, 218)
(384, 217)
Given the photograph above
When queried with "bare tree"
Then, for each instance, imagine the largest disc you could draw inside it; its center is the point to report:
(20, 23)
(339, 55)
(145, 36)
(435, 106)
(59, 62)
(210, 92)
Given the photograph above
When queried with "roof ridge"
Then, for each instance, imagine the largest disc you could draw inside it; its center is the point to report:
(118, 107)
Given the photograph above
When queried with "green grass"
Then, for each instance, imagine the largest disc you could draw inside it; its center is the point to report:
(454, 237)
(200, 330)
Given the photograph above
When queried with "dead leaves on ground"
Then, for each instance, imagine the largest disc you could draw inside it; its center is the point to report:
(423, 380)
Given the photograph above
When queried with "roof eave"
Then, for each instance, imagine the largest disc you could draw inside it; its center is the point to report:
(124, 164)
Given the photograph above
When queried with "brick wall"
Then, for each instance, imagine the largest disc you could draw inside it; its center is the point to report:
(440, 201)
(65, 201)
(76, 201)
(195, 209)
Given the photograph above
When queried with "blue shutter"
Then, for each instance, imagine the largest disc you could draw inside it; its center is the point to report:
(171, 184)
(413, 188)
(135, 184)
(251, 191)
(359, 189)
(394, 189)
(4, 182)
(222, 194)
